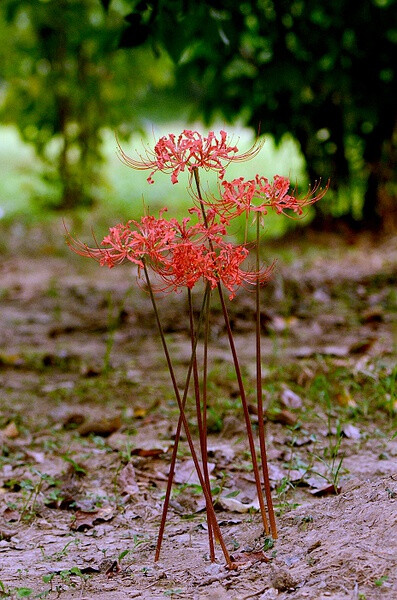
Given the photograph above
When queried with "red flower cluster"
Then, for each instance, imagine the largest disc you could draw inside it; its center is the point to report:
(150, 237)
(258, 195)
(179, 253)
(189, 150)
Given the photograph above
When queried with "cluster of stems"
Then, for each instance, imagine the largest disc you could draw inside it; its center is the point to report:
(267, 512)
(181, 255)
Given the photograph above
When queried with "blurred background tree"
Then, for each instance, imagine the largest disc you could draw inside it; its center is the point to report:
(323, 71)
(65, 80)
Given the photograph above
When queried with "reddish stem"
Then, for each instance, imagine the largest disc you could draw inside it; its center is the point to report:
(200, 423)
(205, 370)
(259, 396)
(246, 412)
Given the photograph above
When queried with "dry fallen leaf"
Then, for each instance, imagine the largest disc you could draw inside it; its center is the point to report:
(148, 452)
(127, 480)
(10, 431)
(236, 506)
(103, 427)
(362, 346)
(10, 515)
(244, 559)
(6, 534)
(285, 417)
(345, 399)
(110, 568)
(290, 399)
(351, 431)
(374, 314)
(185, 472)
(72, 419)
(85, 520)
(140, 412)
(326, 490)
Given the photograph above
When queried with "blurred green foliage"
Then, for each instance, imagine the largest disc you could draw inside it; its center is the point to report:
(64, 81)
(126, 191)
(323, 71)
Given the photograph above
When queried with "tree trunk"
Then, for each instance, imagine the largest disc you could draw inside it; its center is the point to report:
(380, 202)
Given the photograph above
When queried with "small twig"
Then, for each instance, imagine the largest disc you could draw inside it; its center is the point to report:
(257, 593)
(215, 578)
(355, 591)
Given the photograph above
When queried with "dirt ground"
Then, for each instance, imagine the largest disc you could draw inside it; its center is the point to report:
(87, 418)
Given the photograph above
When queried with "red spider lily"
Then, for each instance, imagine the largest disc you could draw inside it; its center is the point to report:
(189, 150)
(109, 257)
(150, 238)
(227, 270)
(239, 197)
(179, 253)
(185, 231)
(200, 231)
(189, 262)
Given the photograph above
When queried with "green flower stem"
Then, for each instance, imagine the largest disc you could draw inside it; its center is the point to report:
(259, 396)
(182, 420)
(200, 418)
(239, 377)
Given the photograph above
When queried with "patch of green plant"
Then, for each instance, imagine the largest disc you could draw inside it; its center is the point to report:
(282, 491)
(61, 553)
(268, 544)
(24, 592)
(125, 452)
(31, 489)
(214, 420)
(387, 392)
(21, 592)
(194, 488)
(379, 582)
(173, 592)
(67, 577)
(332, 458)
(78, 469)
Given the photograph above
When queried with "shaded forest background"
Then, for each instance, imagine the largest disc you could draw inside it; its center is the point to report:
(323, 73)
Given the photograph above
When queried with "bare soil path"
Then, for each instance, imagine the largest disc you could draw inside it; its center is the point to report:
(87, 417)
